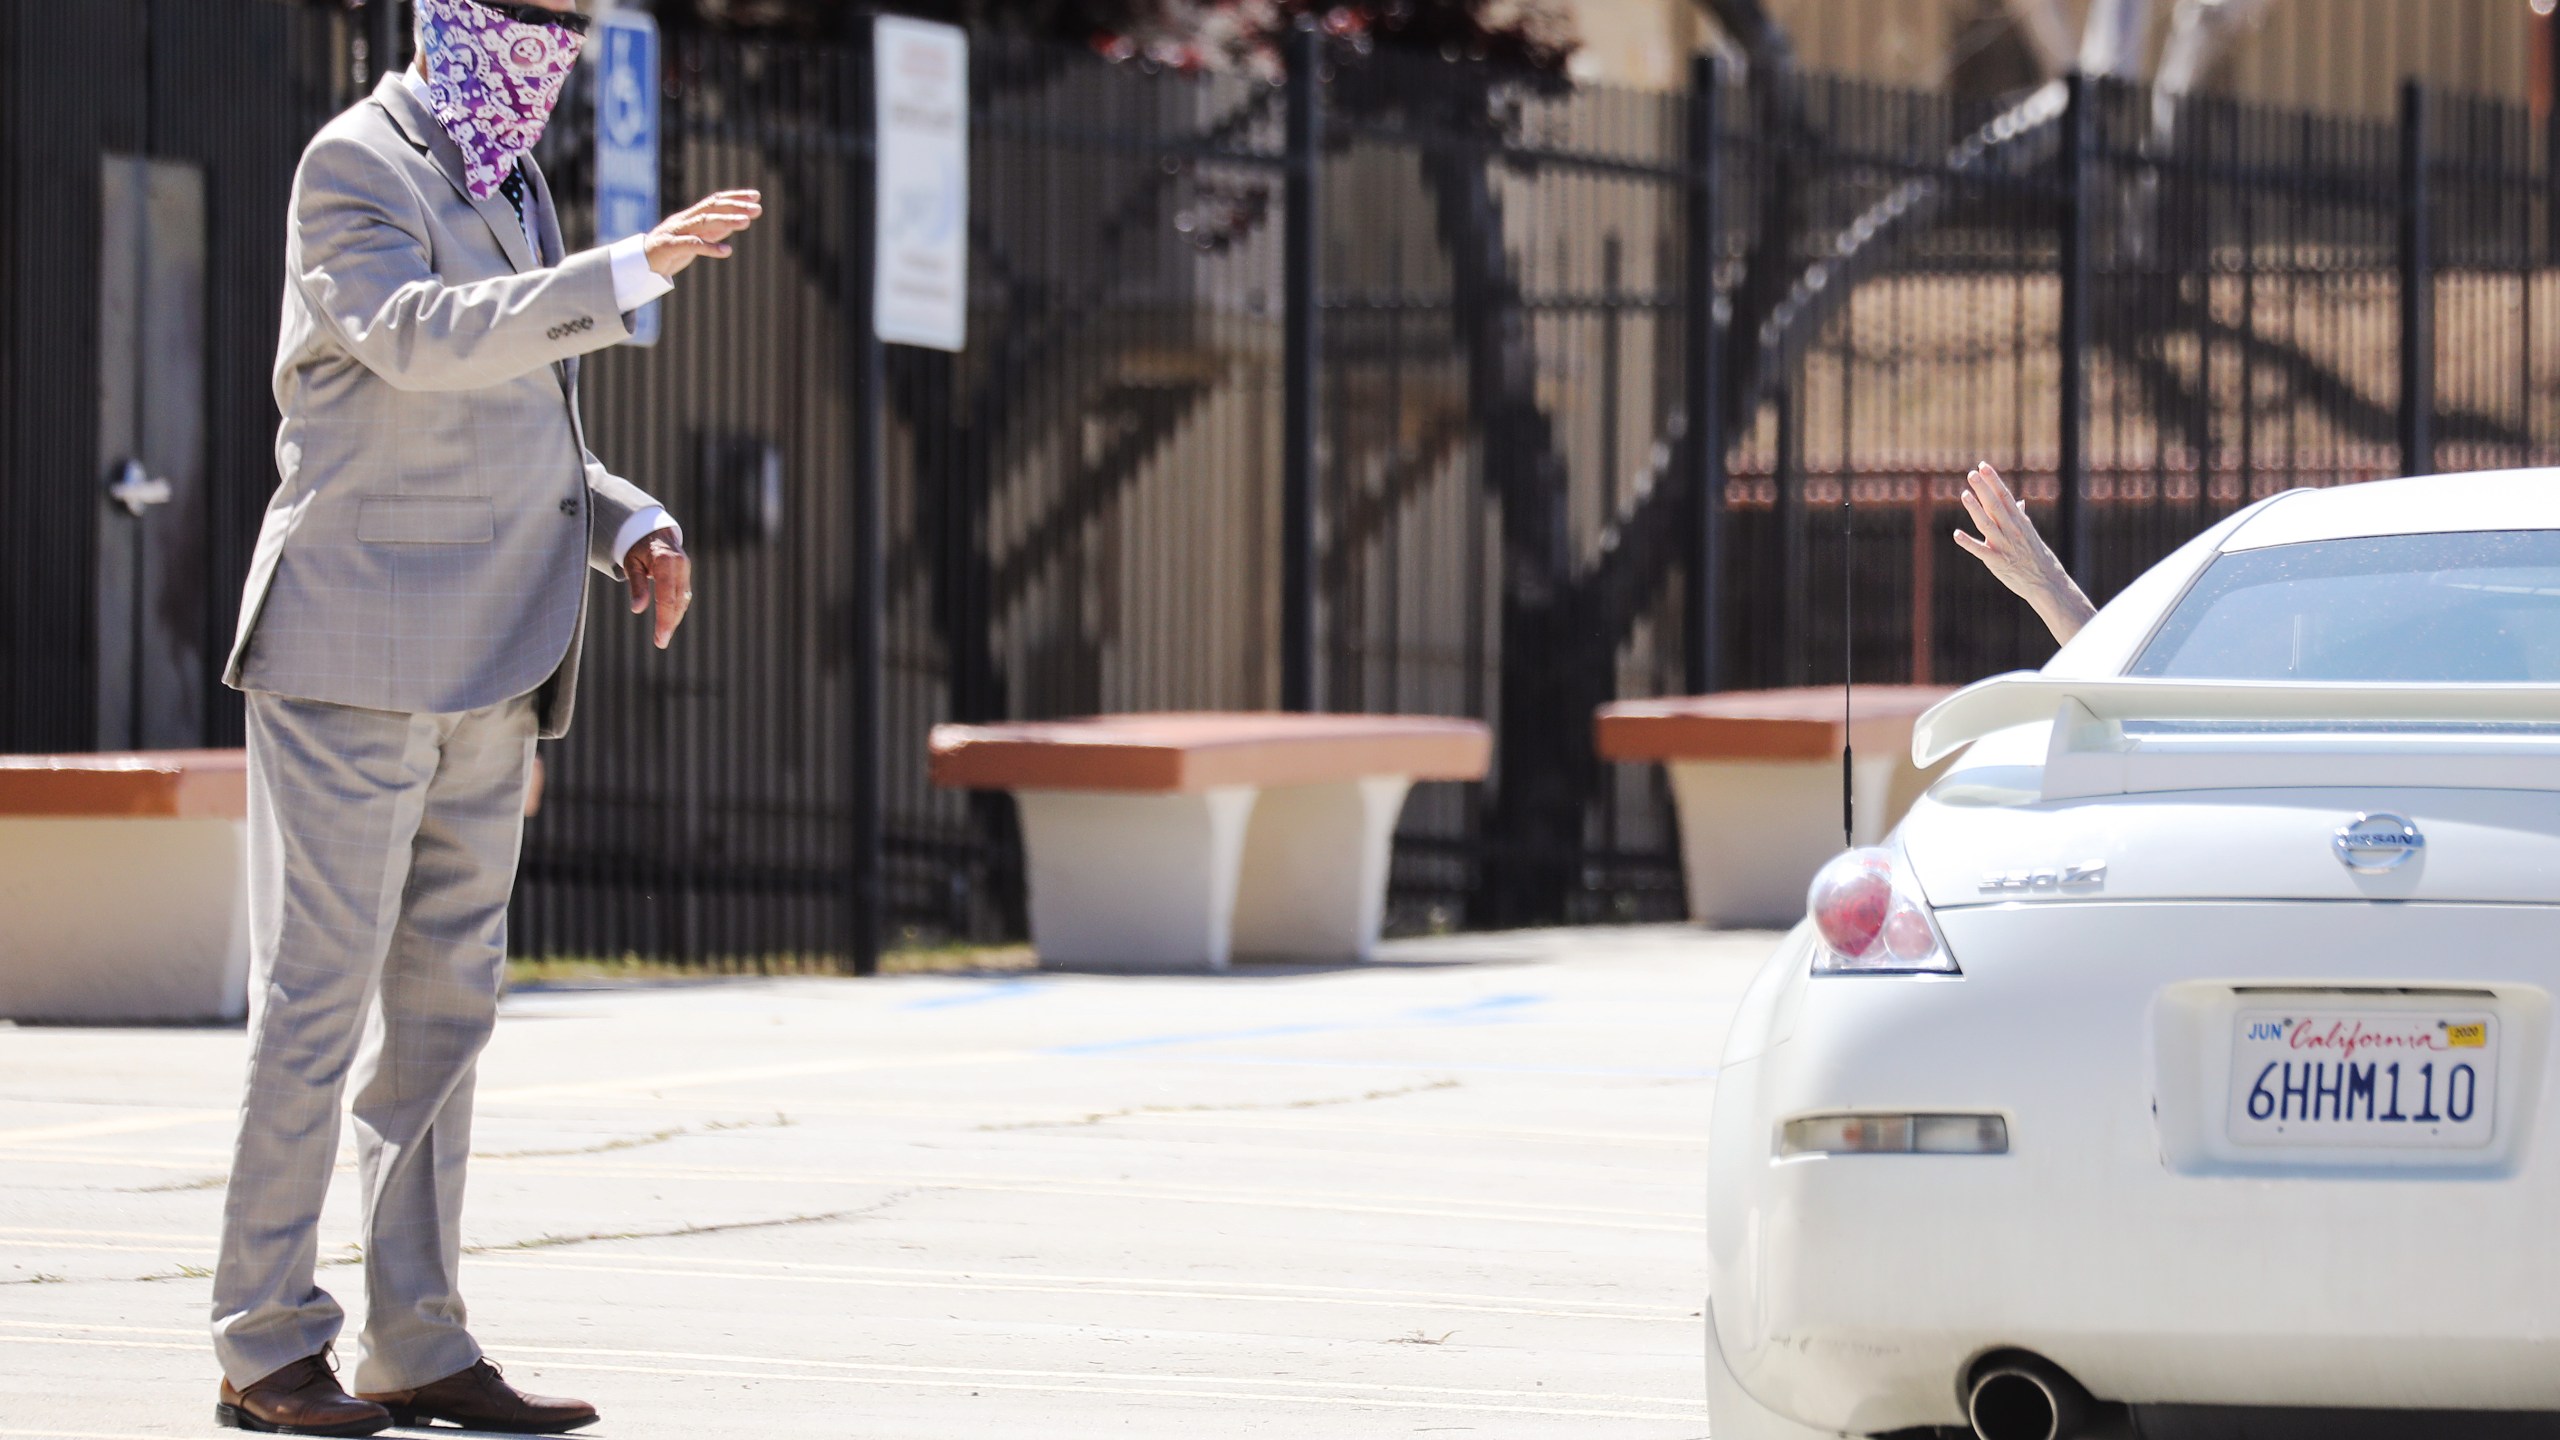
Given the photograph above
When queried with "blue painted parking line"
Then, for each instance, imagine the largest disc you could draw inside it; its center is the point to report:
(1206, 1037)
(1476, 1009)
(993, 990)
(1440, 1067)
(1491, 1010)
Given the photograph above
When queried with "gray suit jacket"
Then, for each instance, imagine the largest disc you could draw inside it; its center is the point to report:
(427, 548)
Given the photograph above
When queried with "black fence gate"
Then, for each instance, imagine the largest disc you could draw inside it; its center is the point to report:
(146, 151)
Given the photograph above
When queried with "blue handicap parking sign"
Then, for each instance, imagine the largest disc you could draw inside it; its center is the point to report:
(627, 138)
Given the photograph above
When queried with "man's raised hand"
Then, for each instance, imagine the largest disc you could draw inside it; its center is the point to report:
(702, 231)
(660, 573)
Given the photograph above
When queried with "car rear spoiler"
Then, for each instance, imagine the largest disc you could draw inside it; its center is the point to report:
(2078, 707)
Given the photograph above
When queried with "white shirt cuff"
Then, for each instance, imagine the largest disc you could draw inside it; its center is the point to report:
(640, 527)
(634, 283)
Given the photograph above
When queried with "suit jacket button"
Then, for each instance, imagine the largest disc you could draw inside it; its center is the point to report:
(568, 507)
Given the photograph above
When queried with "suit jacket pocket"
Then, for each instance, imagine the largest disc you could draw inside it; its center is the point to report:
(416, 520)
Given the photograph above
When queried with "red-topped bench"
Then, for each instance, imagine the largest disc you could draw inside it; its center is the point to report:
(1756, 776)
(1182, 839)
(123, 886)
(121, 896)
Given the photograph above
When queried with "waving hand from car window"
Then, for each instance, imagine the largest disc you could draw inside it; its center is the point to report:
(2018, 555)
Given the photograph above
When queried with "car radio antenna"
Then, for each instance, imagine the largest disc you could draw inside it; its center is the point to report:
(1848, 665)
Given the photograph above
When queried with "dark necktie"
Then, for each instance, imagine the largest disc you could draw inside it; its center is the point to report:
(513, 188)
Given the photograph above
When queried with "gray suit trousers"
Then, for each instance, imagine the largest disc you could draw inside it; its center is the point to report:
(382, 849)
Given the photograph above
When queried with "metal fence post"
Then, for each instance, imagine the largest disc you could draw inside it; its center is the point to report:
(1302, 338)
(867, 521)
(2417, 288)
(2071, 527)
(382, 37)
(2551, 131)
(1703, 613)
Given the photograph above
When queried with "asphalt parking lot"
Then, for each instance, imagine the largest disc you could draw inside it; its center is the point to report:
(1456, 1192)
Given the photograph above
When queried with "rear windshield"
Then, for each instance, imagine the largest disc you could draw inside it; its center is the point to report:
(2478, 607)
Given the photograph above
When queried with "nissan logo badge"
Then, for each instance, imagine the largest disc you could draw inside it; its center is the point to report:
(2374, 843)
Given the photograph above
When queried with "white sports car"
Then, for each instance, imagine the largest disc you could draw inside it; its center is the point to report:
(2184, 1063)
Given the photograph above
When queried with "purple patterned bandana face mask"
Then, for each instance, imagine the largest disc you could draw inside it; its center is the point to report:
(492, 82)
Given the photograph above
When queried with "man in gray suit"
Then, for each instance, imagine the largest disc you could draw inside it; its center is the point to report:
(412, 624)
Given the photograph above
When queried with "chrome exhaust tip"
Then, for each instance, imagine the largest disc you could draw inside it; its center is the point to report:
(2022, 1397)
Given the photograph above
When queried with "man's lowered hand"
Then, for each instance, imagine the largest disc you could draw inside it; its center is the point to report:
(661, 575)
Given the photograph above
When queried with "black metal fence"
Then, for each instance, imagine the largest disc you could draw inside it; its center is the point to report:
(228, 92)
(1448, 407)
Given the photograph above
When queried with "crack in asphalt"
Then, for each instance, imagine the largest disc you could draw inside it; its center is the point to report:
(779, 1121)
(555, 1242)
(176, 1187)
(625, 1142)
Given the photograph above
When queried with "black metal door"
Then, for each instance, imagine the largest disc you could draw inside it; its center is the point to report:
(153, 508)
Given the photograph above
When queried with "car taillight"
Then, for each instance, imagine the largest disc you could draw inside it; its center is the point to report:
(1850, 900)
(1871, 921)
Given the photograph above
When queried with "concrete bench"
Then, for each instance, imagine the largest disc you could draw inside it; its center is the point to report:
(1178, 840)
(1756, 778)
(123, 886)
(121, 894)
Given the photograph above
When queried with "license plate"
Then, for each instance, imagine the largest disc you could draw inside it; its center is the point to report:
(2410, 1079)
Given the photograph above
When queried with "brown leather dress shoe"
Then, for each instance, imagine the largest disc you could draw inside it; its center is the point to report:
(303, 1398)
(481, 1399)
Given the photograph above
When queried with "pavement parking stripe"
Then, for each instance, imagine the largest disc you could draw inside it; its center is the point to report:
(197, 1330)
(1131, 1290)
(992, 1118)
(109, 1342)
(1420, 1207)
(964, 1180)
(579, 1090)
(1002, 1282)
(1505, 1212)
(1223, 1288)
(1357, 1402)
(77, 1435)
(157, 1149)
(1211, 1119)
(1233, 1388)
(1128, 1289)
(108, 1159)
(122, 1125)
(101, 1245)
(106, 1234)
(1118, 1376)
(1437, 1067)
(1207, 1116)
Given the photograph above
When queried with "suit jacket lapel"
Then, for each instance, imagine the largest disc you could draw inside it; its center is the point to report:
(427, 133)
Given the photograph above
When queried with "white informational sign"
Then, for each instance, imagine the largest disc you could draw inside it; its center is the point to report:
(626, 42)
(921, 76)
